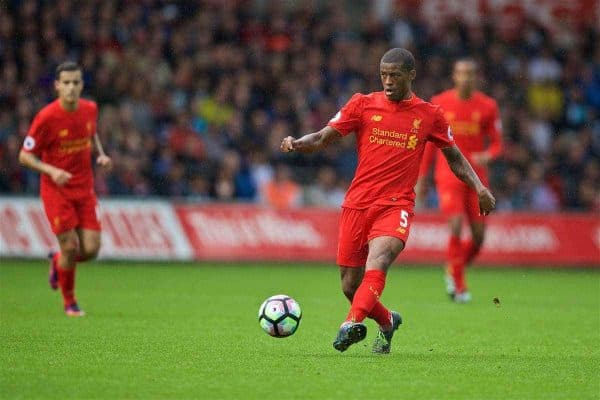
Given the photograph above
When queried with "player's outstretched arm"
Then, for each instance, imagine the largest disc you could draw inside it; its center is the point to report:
(311, 142)
(463, 171)
(31, 161)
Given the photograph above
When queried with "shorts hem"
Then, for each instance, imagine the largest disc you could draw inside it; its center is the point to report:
(400, 236)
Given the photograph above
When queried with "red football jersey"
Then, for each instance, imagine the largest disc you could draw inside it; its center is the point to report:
(64, 139)
(476, 126)
(390, 140)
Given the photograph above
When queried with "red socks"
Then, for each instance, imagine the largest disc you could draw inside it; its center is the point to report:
(66, 281)
(381, 315)
(456, 266)
(366, 298)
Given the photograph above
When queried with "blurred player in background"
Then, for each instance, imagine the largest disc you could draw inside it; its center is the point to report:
(476, 125)
(59, 146)
(392, 128)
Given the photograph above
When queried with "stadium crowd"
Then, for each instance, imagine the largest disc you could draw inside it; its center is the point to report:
(195, 99)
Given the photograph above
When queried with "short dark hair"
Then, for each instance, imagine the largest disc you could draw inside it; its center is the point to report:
(399, 56)
(66, 66)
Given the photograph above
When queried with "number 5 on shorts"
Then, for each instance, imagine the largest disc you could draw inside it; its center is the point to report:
(403, 219)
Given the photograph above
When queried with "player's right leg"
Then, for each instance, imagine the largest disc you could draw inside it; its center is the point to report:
(350, 278)
(477, 223)
(351, 257)
(454, 268)
(63, 219)
(66, 262)
(453, 199)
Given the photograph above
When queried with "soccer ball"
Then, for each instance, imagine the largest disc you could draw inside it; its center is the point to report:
(279, 315)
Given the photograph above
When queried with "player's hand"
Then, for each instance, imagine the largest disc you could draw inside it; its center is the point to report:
(104, 161)
(60, 176)
(287, 144)
(487, 201)
(482, 159)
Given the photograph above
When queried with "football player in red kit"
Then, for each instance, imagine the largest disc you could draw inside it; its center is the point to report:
(475, 123)
(59, 146)
(391, 127)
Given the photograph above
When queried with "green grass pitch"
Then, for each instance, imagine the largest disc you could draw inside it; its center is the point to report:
(173, 330)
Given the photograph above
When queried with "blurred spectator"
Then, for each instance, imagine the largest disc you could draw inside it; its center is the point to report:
(282, 191)
(326, 190)
(541, 196)
(512, 196)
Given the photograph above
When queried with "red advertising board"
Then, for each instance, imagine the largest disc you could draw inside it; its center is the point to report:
(130, 230)
(516, 239)
(151, 230)
(244, 232)
(254, 233)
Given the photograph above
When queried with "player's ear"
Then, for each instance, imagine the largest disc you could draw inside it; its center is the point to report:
(412, 74)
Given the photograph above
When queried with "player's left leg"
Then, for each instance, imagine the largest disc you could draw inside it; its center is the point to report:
(355, 281)
(90, 241)
(351, 278)
(88, 228)
(382, 252)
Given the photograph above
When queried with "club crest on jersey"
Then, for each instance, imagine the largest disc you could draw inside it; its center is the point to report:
(63, 133)
(416, 125)
(376, 118)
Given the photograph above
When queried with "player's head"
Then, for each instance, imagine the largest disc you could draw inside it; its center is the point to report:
(464, 75)
(397, 71)
(68, 82)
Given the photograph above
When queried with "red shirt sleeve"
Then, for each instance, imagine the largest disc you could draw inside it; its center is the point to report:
(36, 140)
(493, 129)
(441, 135)
(348, 119)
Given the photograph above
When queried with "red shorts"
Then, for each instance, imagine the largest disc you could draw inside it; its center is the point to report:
(65, 214)
(459, 199)
(357, 227)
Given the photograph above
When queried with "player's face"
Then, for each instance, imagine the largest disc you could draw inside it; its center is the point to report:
(69, 86)
(464, 75)
(395, 80)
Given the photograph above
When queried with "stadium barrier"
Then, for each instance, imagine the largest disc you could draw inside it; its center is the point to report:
(159, 230)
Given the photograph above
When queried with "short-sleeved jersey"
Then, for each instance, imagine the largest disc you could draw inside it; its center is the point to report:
(390, 140)
(63, 139)
(476, 125)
